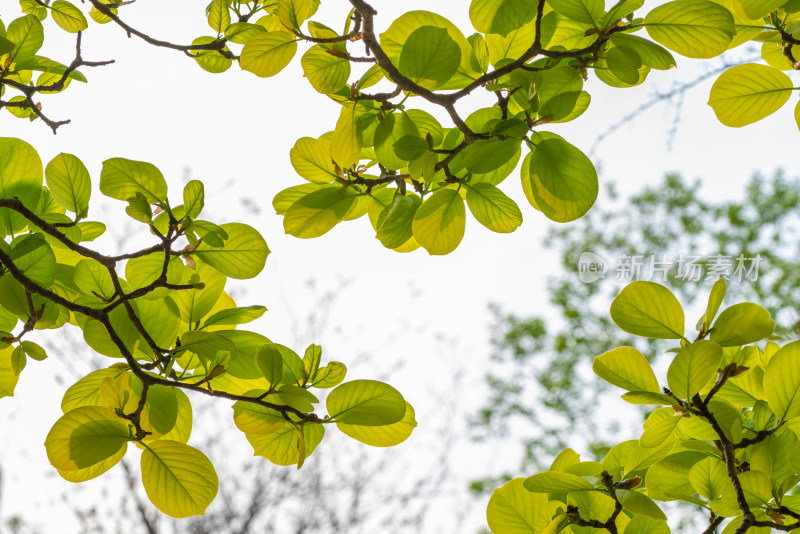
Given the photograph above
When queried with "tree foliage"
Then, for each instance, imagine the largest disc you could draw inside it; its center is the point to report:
(385, 158)
(172, 326)
(724, 437)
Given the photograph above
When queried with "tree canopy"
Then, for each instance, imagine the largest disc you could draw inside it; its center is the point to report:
(163, 311)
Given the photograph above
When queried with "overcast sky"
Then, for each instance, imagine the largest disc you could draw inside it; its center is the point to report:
(233, 131)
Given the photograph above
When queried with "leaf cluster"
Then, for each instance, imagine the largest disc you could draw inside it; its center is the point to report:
(725, 438)
(163, 314)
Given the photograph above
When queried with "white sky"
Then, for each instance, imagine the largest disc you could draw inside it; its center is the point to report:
(234, 132)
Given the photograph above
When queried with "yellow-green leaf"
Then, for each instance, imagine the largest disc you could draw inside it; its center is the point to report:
(69, 182)
(179, 480)
(68, 17)
(747, 93)
(311, 158)
(316, 213)
(366, 403)
(648, 309)
(268, 53)
(558, 179)
(122, 178)
(439, 223)
(627, 368)
(241, 256)
(741, 324)
(86, 436)
(514, 510)
(500, 16)
(693, 367)
(782, 382)
(326, 72)
(692, 28)
(492, 208)
(385, 435)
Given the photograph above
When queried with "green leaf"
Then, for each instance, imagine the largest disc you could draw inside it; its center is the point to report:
(385, 435)
(586, 11)
(741, 324)
(651, 54)
(331, 375)
(6, 46)
(28, 35)
(430, 57)
(559, 180)
(692, 28)
(658, 432)
(268, 53)
(755, 9)
(709, 477)
(500, 16)
(756, 488)
(394, 40)
(316, 213)
(747, 93)
(194, 304)
(253, 419)
(234, 316)
(34, 257)
(270, 362)
(179, 480)
(782, 382)
(34, 351)
(294, 12)
(397, 225)
(326, 72)
(8, 380)
(556, 482)
(621, 9)
(69, 182)
(311, 158)
(439, 223)
(68, 17)
(138, 209)
(625, 367)
(283, 447)
(345, 145)
(669, 475)
(123, 178)
(693, 367)
(241, 32)
(714, 301)
(641, 524)
(20, 176)
(366, 403)
(193, 198)
(86, 391)
(219, 17)
(18, 360)
(648, 397)
(84, 437)
(242, 256)
(648, 309)
(514, 510)
(211, 60)
(492, 208)
(93, 279)
(639, 503)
